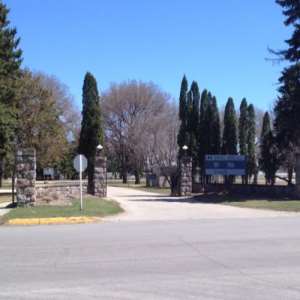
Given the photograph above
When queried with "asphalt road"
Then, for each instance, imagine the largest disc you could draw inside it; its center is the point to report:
(253, 258)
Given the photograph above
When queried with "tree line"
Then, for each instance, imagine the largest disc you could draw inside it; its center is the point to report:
(138, 122)
(36, 110)
(200, 128)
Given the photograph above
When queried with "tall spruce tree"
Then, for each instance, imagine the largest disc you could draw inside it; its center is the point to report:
(215, 128)
(251, 156)
(243, 131)
(203, 136)
(269, 154)
(229, 141)
(243, 127)
(183, 112)
(287, 108)
(266, 126)
(10, 62)
(291, 10)
(91, 134)
(195, 122)
(189, 133)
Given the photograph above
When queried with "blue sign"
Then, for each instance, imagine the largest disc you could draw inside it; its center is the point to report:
(225, 165)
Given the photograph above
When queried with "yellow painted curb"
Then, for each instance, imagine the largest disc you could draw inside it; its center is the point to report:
(48, 221)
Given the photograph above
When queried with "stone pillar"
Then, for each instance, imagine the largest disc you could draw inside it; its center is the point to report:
(186, 176)
(298, 174)
(100, 177)
(25, 176)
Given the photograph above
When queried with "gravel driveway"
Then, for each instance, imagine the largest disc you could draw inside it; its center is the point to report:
(146, 206)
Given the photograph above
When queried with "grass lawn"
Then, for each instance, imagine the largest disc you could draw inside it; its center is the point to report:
(141, 187)
(281, 205)
(250, 202)
(6, 184)
(93, 207)
(5, 198)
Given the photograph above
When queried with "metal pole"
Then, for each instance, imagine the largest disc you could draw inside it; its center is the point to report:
(80, 181)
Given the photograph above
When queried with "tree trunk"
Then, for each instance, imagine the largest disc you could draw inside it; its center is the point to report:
(124, 176)
(175, 183)
(290, 175)
(137, 177)
(13, 186)
(255, 179)
(1, 170)
(90, 173)
(298, 173)
(244, 181)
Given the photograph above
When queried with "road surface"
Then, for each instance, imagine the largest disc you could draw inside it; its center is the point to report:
(195, 259)
(255, 257)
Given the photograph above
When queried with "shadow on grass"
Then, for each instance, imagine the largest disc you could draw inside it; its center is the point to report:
(227, 197)
(209, 198)
(10, 205)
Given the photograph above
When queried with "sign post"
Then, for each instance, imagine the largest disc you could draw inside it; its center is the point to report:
(80, 164)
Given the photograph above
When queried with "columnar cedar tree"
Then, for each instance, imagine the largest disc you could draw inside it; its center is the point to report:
(91, 134)
(182, 134)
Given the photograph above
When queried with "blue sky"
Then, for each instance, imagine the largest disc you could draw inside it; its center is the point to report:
(221, 44)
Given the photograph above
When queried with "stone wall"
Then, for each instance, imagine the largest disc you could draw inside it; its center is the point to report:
(185, 177)
(100, 178)
(58, 193)
(25, 176)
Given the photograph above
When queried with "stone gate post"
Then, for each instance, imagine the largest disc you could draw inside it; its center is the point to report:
(26, 176)
(100, 177)
(185, 177)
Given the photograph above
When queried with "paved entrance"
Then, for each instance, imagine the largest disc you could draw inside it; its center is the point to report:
(145, 206)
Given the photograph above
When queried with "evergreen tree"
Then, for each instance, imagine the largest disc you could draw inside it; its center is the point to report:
(243, 127)
(243, 131)
(183, 111)
(203, 136)
(266, 126)
(251, 157)
(10, 62)
(229, 142)
(195, 121)
(269, 154)
(189, 133)
(287, 108)
(291, 9)
(215, 128)
(10, 59)
(91, 134)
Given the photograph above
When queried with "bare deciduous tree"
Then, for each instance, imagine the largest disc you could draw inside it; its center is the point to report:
(141, 125)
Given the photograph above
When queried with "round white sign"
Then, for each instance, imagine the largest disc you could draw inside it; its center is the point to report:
(76, 162)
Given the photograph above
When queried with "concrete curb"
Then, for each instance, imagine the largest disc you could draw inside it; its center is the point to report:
(49, 221)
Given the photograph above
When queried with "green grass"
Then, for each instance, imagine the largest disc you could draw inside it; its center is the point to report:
(93, 207)
(141, 187)
(5, 198)
(279, 205)
(6, 184)
(250, 202)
